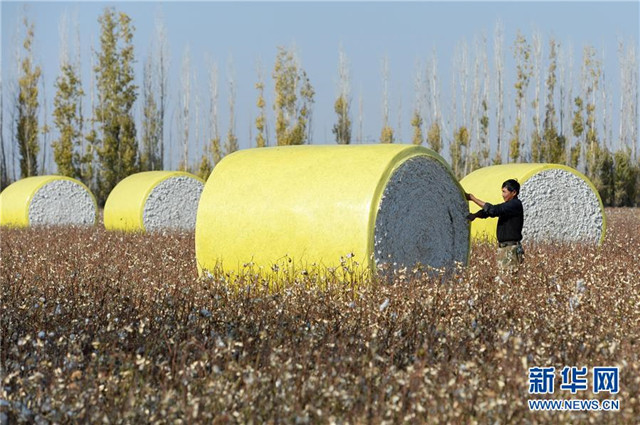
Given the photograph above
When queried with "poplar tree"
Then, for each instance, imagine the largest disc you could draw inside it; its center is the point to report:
(92, 166)
(434, 137)
(499, 66)
(416, 123)
(154, 99)
(386, 134)
(434, 133)
(342, 129)
(216, 149)
(483, 157)
(151, 156)
(522, 54)
(459, 147)
(4, 172)
(342, 105)
(45, 130)
(592, 73)
(416, 120)
(459, 151)
(483, 136)
(185, 108)
(537, 148)
(305, 117)
(116, 138)
(553, 143)
(212, 152)
(231, 144)
(626, 179)
(27, 107)
(161, 67)
(564, 105)
(473, 156)
(293, 99)
(67, 149)
(577, 125)
(261, 119)
(462, 135)
(604, 178)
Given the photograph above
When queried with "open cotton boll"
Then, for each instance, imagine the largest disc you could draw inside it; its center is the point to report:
(47, 201)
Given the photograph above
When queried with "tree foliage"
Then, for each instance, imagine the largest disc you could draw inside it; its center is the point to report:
(434, 137)
(261, 119)
(522, 54)
(342, 106)
(4, 172)
(572, 122)
(553, 144)
(592, 73)
(342, 128)
(293, 99)
(626, 179)
(459, 150)
(386, 134)
(27, 129)
(416, 123)
(68, 152)
(206, 167)
(483, 155)
(231, 143)
(116, 138)
(577, 125)
(151, 156)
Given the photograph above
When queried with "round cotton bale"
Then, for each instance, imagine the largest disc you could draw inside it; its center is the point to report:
(560, 204)
(390, 206)
(47, 201)
(154, 201)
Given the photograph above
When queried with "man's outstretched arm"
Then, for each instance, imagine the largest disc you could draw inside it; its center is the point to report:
(479, 214)
(471, 197)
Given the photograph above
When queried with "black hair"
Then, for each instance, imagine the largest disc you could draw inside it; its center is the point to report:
(512, 185)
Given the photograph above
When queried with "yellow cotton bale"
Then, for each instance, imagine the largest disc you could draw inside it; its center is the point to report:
(386, 206)
(560, 203)
(47, 201)
(153, 201)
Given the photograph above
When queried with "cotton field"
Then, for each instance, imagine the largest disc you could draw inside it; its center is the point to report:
(108, 327)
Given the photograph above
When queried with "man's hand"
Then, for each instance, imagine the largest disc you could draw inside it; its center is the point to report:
(471, 217)
(472, 198)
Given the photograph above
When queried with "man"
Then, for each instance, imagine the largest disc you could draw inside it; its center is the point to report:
(510, 220)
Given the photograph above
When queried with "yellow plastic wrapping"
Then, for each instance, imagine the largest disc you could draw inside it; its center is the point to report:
(124, 209)
(16, 198)
(486, 184)
(308, 204)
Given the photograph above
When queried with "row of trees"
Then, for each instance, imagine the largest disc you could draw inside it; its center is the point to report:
(570, 125)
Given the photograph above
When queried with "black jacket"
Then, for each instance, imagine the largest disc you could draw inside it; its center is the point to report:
(510, 219)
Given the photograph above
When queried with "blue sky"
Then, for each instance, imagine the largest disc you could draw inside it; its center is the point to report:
(247, 32)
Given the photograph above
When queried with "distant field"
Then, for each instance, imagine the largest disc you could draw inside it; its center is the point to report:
(99, 327)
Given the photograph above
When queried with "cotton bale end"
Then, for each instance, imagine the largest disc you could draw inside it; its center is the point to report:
(385, 206)
(154, 201)
(47, 201)
(560, 203)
